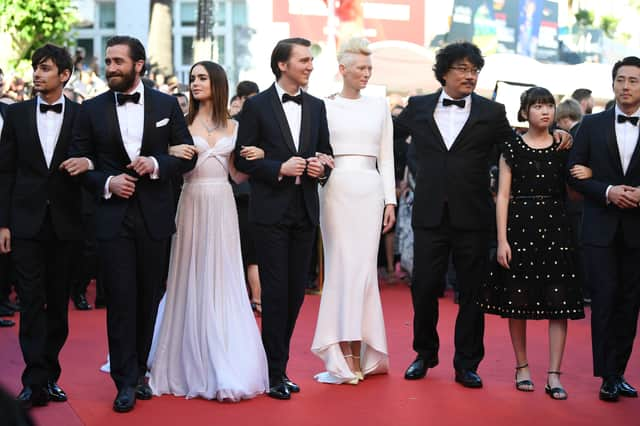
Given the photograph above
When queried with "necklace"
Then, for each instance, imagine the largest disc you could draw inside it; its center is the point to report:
(207, 128)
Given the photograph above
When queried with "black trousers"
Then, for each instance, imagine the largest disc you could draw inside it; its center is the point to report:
(86, 268)
(432, 247)
(5, 277)
(132, 266)
(43, 267)
(283, 253)
(614, 281)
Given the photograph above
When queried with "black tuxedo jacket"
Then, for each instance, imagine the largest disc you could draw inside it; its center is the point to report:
(27, 185)
(264, 124)
(596, 146)
(3, 110)
(96, 135)
(458, 177)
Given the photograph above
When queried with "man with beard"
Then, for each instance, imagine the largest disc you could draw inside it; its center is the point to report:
(585, 99)
(126, 133)
(40, 219)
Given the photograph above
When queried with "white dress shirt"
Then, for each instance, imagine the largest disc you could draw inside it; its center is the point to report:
(49, 126)
(131, 122)
(293, 112)
(627, 138)
(450, 119)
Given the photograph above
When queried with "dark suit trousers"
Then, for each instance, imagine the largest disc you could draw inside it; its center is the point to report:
(132, 266)
(283, 253)
(432, 247)
(614, 280)
(43, 267)
(5, 277)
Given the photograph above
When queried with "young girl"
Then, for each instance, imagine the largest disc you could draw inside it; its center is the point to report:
(536, 279)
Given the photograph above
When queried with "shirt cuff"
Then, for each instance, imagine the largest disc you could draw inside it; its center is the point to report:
(106, 194)
(606, 194)
(155, 174)
(91, 167)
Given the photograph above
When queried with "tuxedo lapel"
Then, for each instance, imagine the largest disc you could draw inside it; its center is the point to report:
(148, 119)
(471, 121)
(60, 151)
(430, 108)
(612, 140)
(635, 157)
(113, 123)
(276, 106)
(305, 128)
(32, 124)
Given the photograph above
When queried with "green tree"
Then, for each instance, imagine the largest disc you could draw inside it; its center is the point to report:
(609, 25)
(28, 24)
(584, 18)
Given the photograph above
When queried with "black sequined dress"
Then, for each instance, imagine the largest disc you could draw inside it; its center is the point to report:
(541, 282)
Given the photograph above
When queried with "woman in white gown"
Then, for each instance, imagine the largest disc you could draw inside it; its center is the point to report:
(208, 345)
(357, 200)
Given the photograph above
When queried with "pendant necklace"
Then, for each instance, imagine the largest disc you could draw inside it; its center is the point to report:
(207, 128)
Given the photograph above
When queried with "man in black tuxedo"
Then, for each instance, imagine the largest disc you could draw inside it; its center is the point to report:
(5, 265)
(454, 132)
(40, 220)
(291, 127)
(607, 143)
(126, 133)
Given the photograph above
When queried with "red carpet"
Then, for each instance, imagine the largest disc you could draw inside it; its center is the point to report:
(382, 400)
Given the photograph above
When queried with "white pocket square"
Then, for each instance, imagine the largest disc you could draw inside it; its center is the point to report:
(162, 122)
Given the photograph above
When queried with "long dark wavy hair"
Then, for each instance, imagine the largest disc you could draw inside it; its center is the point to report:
(219, 94)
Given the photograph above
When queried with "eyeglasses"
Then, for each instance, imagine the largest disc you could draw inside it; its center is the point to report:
(466, 70)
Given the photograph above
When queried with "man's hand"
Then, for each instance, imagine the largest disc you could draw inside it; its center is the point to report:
(5, 240)
(315, 168)
(634, 195)
(123, 185)
(623, 196)
(389, 218)
(565, 139)
(142, 166)
(294, 166)
(75, 166)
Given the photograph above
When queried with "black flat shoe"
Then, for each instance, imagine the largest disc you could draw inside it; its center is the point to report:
(525, 385)
(279, 391)
(125, 401)
(417, 369)
(294, 388)
(81, 303)
(6, 312)
(56, 394)
(625, 389)
(6, 323)
(468, 379)
(33, 397)
(609, 390)
(143, 392)
(558, 393)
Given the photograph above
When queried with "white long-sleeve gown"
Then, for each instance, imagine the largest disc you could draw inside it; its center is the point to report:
(351, 211)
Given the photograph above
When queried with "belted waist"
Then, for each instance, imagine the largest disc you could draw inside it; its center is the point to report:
(355, 162)
(207, 181)
(534, 197)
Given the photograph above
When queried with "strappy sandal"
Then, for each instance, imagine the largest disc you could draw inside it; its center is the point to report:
(525, 385)
(358, 374)
(557, 393)
(355, 380)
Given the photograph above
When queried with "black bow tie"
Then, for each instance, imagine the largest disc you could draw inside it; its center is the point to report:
(287, 97)
(57, 108)
(124, 98)
(447, 102)
(623, 118)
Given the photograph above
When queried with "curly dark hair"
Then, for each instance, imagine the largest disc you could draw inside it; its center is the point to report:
(58, 55)
(453, 53)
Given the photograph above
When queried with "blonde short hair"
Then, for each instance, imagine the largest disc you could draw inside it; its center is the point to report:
(569, 108)
(350, 48)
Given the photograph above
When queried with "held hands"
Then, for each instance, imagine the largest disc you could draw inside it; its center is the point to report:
(123, 185)
(625, 197)
(142, 166)
(389, 218)
(581, 172)
(75, 166)
(251, 153)
(565, 139)
(504, 254)
(183, 151)
(5, 240)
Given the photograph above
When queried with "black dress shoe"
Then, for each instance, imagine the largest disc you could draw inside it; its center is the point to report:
(56, 394)
(5, 311)
(290, 385)
(279, 391)
(625, 389)
(125, 400)
(100, 303)
(6, 323)
(609, 391)
(80, 302)
(468, 379)
(33, 397)
(417, 369)
(143, 391)
(7, 304)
